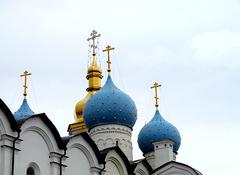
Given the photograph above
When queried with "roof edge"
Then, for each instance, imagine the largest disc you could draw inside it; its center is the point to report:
(11, 119)
(61, 144)
(177, 163)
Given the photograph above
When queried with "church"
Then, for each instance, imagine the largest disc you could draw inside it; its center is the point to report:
(99, 141)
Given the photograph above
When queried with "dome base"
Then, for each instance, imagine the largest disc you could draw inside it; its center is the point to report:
(111, 135)
(76, 128)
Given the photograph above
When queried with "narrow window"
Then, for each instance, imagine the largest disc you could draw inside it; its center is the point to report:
(30, 171)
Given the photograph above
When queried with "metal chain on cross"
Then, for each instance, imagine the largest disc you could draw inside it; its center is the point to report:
(89, 53)
(98, 52)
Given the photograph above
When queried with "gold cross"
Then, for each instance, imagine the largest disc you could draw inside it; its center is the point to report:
(25, 74)
(155, 86)
(94, 35)
(108, 49)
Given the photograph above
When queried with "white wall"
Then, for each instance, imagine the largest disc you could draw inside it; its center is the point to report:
(6, 141)
(163, 152)
(175, 169)
(33, 150)
(111, 169)
(38, 149)
(114, 164)
(141, 169)
(150, 157)
(77, 163)
(81, 158)
(107, 136)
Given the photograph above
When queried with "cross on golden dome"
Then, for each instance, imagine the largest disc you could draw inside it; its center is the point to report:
(93, 37)
(25, 75)
(108, 49)
(156, 86)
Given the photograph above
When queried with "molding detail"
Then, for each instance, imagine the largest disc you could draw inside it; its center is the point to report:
(107, 136)
(44, 135)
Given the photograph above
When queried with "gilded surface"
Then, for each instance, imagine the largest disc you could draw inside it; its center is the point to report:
(94, 76)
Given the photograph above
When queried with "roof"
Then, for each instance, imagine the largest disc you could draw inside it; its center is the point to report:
(143, 161)
(176, 163)
(104, 153)
(110, 105)
(158, 129)
(24, 111)
(92, 144)
(10, 117)
(61, 144)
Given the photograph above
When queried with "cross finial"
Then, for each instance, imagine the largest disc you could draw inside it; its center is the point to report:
(108, 49)
(94, 35)
(25, 75)
(155, 86)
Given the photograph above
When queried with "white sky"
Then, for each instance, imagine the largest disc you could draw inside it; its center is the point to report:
(191, 47)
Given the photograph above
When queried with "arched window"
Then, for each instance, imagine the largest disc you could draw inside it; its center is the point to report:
(33, 169)
(30, 171)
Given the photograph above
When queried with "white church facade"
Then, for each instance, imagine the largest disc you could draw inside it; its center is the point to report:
(99, 141)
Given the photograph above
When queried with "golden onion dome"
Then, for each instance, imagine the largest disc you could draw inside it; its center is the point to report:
(94, 67)
(79, 108)
(94, 76)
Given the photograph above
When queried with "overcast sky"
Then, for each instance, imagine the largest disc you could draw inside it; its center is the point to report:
(191, 47)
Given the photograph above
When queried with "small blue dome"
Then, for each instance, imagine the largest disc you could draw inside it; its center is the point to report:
(110, 106)
(158, 129)
(24, 111)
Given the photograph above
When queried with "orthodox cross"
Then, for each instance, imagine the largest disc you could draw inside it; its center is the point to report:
(155, 86)
(25, 75)
(108, 49)
(93, 37)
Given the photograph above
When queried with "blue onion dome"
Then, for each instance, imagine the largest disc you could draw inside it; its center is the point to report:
(24, 111)
(110, 106)
(158, 129)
